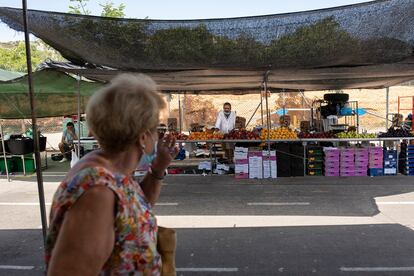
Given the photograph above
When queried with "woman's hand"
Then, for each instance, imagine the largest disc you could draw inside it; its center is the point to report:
(166, 152)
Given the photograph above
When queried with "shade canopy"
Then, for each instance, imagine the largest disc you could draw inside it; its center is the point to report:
(55, 93)
(368, 45)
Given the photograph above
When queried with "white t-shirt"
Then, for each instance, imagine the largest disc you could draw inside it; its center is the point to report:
(226, 124)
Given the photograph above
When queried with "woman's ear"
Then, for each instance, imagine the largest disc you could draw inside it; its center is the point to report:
(141, 140)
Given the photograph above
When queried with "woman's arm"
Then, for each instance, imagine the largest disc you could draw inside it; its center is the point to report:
(86, 238)
(166, 152)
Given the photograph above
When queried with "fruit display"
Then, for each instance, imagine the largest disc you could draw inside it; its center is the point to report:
(317, 135)
(179, 136)
(205, 136)
(353, 134)
(242, 134)
(280, 133)
(396, 132)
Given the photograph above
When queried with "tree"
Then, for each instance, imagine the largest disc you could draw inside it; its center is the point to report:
(109, 10)
(80, 8)
(13, 55)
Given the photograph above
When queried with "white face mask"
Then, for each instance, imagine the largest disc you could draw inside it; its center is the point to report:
(146, 159)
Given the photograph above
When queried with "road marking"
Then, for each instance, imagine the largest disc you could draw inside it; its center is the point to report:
(396, 203)
(22, 203)
(377, 269)
(266, 221)
(207, 269)
(278, 203)
(17, 267)
(166, 204)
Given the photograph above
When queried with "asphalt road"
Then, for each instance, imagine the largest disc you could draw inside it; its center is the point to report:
(291, 226)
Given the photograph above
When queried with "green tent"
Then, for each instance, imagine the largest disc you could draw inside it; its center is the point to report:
(55, 92)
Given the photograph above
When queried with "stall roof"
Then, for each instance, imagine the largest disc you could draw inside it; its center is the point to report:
(368, 45)
(55, 93)
(9, 75)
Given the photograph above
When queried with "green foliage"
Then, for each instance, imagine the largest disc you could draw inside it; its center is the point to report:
(109, 10)
(80, 8)
(13, 57)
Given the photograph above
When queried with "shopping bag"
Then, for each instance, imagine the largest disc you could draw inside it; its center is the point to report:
(166, 246)
(74, 160)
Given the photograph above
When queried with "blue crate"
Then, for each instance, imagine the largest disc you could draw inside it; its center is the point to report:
(376, 172)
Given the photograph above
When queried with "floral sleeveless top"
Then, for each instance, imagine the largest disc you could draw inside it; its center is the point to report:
(135, 248)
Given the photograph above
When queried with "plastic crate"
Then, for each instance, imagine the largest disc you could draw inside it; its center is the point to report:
(315, 172)
(29, 162)
(376, 171)
(315, 165)
(10, 165)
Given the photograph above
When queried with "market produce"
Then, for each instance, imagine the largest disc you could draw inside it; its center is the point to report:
(242, 134)
(280, 133)
(396, 132)
(317, 135)
(353, 134)
(205, 136)
(179, 136)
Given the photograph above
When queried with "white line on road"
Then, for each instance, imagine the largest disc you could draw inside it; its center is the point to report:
(22, 203)
(396, 203)
(278, 203)
(17, 267)
(376, 269)
(207, 269)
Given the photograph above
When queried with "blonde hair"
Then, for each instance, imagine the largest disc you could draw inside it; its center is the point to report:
(121, 111)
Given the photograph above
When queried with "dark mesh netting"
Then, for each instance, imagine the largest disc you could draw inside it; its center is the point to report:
(366, 36)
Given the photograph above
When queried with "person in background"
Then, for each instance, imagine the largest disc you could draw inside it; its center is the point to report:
(226, 119)
(101, 219)
(66, 144)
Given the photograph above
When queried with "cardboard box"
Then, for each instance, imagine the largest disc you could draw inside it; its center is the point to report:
(350, 173)
(269, 164)
(241, 169)
(255, 165)
(331, 174)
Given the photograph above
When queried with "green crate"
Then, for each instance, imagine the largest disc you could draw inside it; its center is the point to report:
(29, 162)
(315, 165)
(10, 165)
(315, 172)
(315, 158)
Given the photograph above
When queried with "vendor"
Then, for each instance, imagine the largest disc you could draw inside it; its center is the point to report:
(226, 119)
(66, 144)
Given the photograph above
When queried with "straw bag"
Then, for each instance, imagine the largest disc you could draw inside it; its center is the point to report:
(166, 245)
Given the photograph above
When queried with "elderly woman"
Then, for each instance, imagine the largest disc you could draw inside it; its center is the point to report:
(101, 221)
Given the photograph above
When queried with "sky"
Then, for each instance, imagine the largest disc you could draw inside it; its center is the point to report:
(178, 9)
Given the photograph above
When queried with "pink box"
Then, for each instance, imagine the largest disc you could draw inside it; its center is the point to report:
(362, 155)
(347, 174)
(332, 155)
(332, 164)
(347, 163)
(241, 175)
(361, 149)
(347, 158)
(360, 173)
(361, 163)
(347, 150)
(361, 168)
(332, 174)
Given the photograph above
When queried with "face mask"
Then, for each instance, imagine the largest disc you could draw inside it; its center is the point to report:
(146, 159)
(227, 113)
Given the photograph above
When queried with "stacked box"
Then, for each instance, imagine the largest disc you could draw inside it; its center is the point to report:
(390, 162)
(241, 167)
(361, 161)
(255, 165)
(314, 164)
(269, 164)
(376, 161)
(407, 159)
(332, 161)
(347, 162)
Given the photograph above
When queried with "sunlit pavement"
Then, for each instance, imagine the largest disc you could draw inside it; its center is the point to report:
(291, 226)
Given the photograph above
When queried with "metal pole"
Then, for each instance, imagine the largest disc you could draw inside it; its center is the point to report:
(267, 122)
(254, 113)
(261, 106)
(79, 78)
(34, 124)
(4, 152)
(180, 113)
(387, 107)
